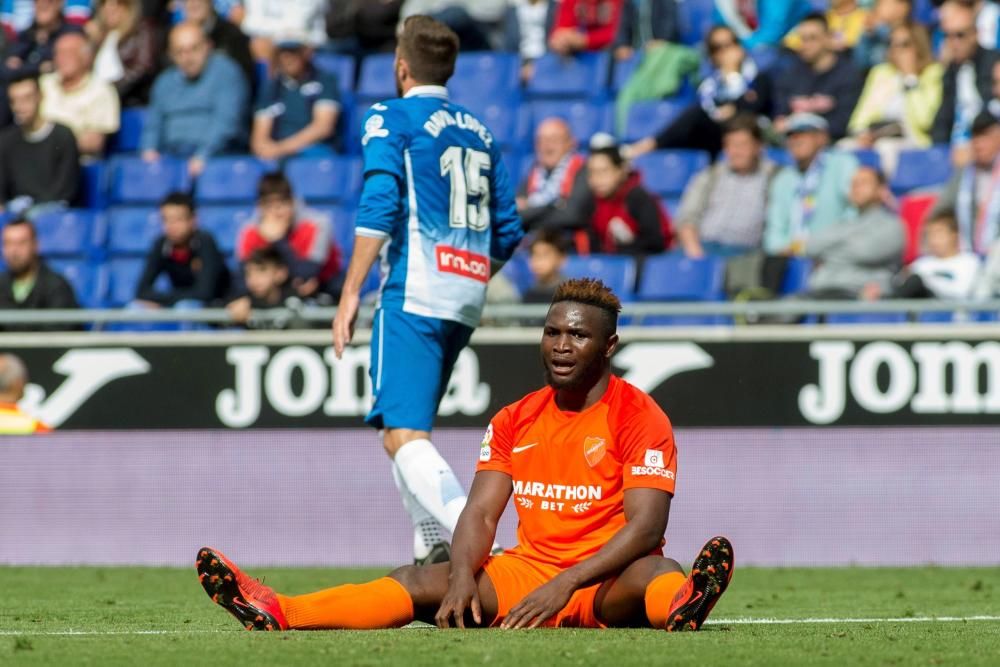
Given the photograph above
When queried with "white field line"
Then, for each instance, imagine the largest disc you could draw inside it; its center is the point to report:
(721, 621)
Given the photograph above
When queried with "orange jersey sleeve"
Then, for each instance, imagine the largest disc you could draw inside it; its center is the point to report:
(645, 443)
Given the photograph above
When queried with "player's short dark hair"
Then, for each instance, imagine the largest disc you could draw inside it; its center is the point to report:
(21, 221)
(744, 122)
(551, 237)
(591, 292)
(179, 199)
(944, 218)
(267, 256)
(816, 17)
(274, 185)
(23, 76)
(430, 48)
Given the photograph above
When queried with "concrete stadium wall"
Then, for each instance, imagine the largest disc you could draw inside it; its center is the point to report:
(833, 496)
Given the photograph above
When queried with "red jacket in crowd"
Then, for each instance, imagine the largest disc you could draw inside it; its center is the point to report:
(598, 19)
(629, 221)
(307, 248)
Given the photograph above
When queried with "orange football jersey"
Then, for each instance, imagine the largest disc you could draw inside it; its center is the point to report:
(571, 469)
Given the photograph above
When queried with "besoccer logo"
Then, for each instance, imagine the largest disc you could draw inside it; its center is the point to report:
(654, 458)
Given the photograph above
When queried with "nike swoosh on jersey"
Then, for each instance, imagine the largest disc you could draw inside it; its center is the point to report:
(518, 450)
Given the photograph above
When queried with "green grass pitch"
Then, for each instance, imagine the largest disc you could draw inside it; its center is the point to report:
(139, 616)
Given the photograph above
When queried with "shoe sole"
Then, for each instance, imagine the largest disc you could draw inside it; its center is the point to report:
(710, 574)
(219, 581)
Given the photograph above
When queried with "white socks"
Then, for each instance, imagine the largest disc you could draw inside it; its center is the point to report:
(431, 482)
(426, 529)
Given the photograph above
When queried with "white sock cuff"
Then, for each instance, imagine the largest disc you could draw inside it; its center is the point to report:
(415, 449)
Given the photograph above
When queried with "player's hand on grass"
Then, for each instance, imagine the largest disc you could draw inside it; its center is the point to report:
(462, 595)
(343, 322)
(540, 605)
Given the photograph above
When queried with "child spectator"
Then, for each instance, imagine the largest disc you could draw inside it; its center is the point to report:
(546, 261)
(266, 277)
(302, 237)
(187, 255)
(945, 272)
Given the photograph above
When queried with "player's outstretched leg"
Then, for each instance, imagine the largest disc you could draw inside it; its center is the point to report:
(389, 602)
(710, 575)
(253, 604)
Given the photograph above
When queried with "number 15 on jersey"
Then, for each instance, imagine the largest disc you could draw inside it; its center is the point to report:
(470, 187)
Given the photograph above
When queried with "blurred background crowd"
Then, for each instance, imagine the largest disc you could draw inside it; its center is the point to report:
(192, 153)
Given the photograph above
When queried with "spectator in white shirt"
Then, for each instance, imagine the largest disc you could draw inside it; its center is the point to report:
(945, 272)
(74, 97)
(266, 20)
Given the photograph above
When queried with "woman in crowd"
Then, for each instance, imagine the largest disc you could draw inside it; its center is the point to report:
(900, 98)
(734, 84)
(623, 217)
(127, 49)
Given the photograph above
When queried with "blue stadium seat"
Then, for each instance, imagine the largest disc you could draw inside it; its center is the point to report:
(779, 156)
(796, 275)
(671, 205)
(866, 318)
(342, 223)
(868, 157)
(94, 185)
(922, 168)
(224, 223)
(674, 277)
(585, 119)
(501, 114)
(475, 72)
(123, 278)
(89, 281)
(646, 119)
(335, 178)
(667, 172)
(616, 271)
(134, 181)
(66, 233)
(126, 140)
(695, 17)
(622, 71)
(377, 80)
(516, 270)
(340, 65)
(583, 76)
(229, 179)
(131, 231)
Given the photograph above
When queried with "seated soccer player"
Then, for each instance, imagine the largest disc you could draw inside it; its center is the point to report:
(590, 460)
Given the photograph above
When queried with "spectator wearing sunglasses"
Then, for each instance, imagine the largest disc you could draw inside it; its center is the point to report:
(968, 79)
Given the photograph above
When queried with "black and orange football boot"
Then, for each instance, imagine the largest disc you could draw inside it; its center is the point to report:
(710, 575)
(253, 604)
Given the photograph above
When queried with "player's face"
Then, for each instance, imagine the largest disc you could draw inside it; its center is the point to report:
(575, 346)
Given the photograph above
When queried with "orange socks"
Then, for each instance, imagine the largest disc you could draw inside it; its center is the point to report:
(660, 595)
(382, 603)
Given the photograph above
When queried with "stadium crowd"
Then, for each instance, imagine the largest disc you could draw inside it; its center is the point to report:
(187, 153)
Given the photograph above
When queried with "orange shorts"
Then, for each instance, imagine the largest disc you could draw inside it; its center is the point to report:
(515, 575)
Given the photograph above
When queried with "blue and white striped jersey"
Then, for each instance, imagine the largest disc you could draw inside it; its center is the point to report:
(450, 211)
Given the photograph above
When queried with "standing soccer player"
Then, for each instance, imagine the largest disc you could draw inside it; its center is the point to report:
(438, 207)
